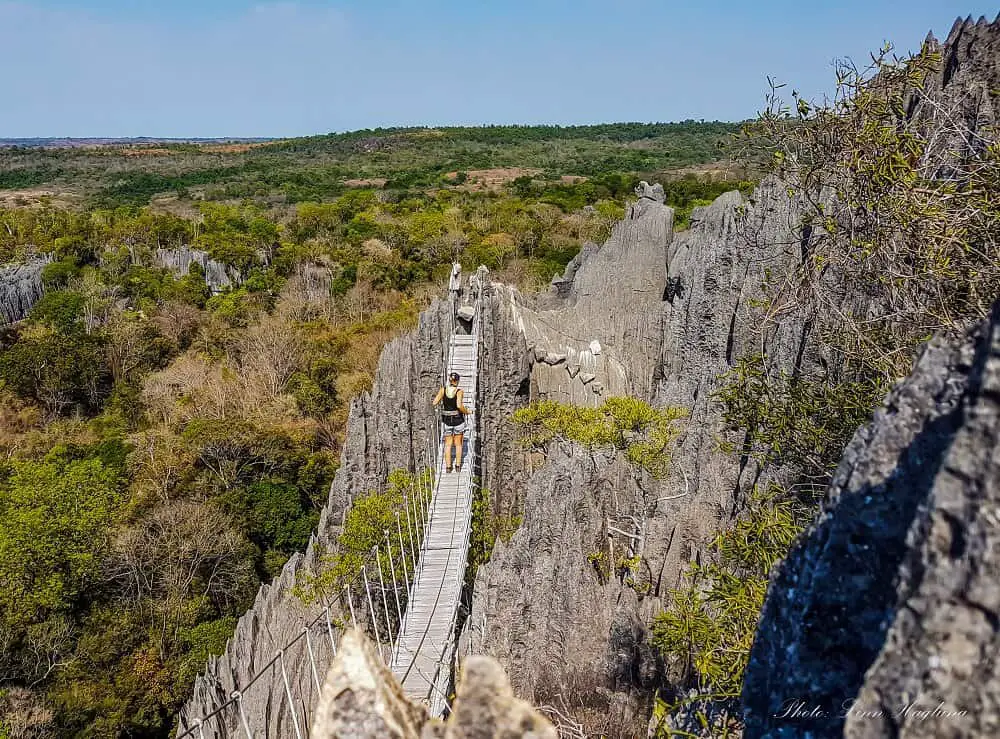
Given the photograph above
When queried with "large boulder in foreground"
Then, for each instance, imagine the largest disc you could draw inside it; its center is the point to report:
(362, 700)
(885, 619)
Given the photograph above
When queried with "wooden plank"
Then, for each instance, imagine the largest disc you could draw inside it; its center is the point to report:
(428, 620)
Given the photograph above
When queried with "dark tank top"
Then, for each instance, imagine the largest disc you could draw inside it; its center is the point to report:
(449, 403)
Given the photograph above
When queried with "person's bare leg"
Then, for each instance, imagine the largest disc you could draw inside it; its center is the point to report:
(449, 444)
(459, 443)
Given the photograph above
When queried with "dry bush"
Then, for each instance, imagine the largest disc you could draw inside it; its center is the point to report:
(249, 383)
(377, 249)
(266, 356)
(363, 301)
(182, 390)
(519, 272)
(37, 441)
(182, 549)
(900, 191)
(179, 322)
(17, 417)
(24, 715)
(574, 224)
(159, 463)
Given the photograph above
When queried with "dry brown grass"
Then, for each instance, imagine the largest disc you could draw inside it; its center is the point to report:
(35, 196)
(368, 182)
(492, 179)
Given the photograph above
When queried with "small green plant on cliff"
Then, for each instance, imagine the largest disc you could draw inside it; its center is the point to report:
(487, 527)
(707, 628)
(799, 422)
(599, 560)
(364, 528)
(629, 425)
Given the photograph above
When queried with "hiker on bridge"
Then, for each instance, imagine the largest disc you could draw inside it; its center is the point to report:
(453, 412)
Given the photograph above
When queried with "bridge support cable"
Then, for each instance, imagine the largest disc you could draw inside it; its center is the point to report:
(421, 659)
(437, 516)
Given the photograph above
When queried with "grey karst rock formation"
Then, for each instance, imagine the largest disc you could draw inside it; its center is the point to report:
(562, 628)
(20, 288)
(217, 275)
(362, 700)
(883, 621)
(612, 297)
(567, 629)
(962, 89)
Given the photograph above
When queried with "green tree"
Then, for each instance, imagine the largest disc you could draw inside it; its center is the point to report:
(57, 370)
(56, 516)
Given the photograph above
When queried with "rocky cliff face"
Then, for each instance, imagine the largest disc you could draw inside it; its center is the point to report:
(962, 91)
(566, 627)
(662, 316)
(217, 275)
(884, 620)
(20, 288)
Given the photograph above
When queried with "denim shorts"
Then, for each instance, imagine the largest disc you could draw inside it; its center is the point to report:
(454, 430)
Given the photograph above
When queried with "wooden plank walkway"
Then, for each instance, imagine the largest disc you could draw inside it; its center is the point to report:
(422, 658)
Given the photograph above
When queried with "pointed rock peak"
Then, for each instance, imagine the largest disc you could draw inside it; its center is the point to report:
(655, 192)
(956, 29)
(361, 698)
(485, 706)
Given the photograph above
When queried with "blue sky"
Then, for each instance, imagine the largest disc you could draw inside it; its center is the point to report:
(234, 68)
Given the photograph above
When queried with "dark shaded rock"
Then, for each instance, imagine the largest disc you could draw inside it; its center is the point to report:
(891, 605)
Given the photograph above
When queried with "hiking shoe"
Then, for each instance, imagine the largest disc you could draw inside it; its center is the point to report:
(450, 469)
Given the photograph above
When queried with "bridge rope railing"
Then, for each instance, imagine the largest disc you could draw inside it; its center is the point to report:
(355, 602)
(436, 697)
(346, 607)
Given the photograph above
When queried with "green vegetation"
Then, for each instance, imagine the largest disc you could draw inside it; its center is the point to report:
(319, 168)
(369, 547)
(181, 440)
(709, 624)
(629, 425)
(912, 232)
(365, 526)
(788, 420)
(487, 526)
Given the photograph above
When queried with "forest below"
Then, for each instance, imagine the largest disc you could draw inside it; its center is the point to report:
(172, 407)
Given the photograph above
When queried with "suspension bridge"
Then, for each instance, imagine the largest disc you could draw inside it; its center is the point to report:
(407, 593)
